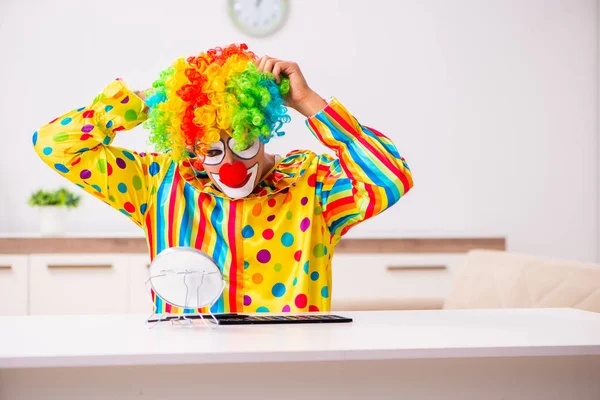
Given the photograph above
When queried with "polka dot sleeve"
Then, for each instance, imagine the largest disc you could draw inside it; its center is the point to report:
(77, 146)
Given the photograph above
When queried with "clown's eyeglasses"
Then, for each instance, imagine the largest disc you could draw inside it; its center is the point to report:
(216, 152)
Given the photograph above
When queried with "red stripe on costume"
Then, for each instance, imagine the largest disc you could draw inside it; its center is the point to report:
(405, 184)
(233, 269)
(334, 205)
(323, 168)
(344, 124)
(150, 235)
(372, 202)
(201, 224)
(172, 202)
(339, 206)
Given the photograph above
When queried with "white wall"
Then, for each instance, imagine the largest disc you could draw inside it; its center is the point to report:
(597, 200)
(493, 103)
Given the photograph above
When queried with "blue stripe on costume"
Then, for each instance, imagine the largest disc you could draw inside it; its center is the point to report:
(217, 219)
(162, 212)
(364, 162)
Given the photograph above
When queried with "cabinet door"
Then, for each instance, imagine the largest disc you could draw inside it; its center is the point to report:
(389, 278)
(78, 284)
(139, 295)
(13, 284)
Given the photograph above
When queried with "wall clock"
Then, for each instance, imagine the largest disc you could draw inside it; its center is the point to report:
(258, 17)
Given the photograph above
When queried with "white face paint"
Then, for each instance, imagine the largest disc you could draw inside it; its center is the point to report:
(216, 153)
(246, 154)
(235, 173)
(242, 191)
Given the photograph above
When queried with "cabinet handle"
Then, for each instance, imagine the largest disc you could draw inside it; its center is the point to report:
(395, 268)
(79, 266)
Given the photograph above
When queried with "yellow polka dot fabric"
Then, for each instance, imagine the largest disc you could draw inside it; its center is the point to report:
(273, 247)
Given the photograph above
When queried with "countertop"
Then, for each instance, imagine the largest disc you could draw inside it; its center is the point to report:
(110, 340)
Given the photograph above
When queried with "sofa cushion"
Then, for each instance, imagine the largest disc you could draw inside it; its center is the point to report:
(496, 279)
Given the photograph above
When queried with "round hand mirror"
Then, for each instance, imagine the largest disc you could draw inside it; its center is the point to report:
(186, 277)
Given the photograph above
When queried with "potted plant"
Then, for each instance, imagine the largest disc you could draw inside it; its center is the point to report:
(53, 205)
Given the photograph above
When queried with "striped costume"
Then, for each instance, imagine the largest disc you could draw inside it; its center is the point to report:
(275, 246)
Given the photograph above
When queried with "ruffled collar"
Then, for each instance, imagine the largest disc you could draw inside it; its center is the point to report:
(284, 174)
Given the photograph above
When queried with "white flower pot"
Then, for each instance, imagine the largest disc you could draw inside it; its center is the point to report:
(53, 220)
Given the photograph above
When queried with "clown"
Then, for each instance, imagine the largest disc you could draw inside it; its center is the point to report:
(271, 223)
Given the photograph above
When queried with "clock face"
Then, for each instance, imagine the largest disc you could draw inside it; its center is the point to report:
(258, 17)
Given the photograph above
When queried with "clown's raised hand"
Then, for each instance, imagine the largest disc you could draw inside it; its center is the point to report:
(301, 97)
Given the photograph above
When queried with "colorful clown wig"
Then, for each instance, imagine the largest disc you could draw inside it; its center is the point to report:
(222, 89)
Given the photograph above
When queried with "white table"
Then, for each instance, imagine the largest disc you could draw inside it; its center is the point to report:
(462, 354)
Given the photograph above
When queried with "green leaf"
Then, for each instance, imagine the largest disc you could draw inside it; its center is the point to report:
(60, 197)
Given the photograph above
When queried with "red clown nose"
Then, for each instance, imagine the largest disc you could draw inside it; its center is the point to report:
(233, 175)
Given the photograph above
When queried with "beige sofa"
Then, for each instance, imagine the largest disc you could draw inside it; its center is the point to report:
(497, 279)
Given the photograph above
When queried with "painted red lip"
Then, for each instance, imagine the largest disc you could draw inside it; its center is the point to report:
(241, 184)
